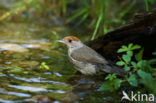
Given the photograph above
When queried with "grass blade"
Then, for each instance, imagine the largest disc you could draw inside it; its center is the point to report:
(97, 26)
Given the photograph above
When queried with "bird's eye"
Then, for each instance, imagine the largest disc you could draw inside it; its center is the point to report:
(69, 41)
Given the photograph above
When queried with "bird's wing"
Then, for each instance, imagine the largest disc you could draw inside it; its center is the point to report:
(86, 54)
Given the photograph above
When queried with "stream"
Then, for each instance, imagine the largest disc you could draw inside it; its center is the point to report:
(23, 48)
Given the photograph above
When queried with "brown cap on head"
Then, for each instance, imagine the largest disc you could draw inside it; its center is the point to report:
(73, 38)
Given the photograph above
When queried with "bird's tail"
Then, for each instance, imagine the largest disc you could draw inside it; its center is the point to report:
(113, 69)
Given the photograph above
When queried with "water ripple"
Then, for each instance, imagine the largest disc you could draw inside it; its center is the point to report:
(15, 93)
(35, 89)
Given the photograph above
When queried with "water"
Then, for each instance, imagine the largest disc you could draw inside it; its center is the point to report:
(23, 47)
(22, 80)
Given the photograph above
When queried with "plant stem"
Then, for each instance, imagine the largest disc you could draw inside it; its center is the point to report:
(97, 26)
(146, 5)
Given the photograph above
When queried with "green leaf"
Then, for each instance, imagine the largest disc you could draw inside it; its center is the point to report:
(129, 48)
(134, 64)
(132, 80)
(106, 86)
(141, 64)
(126, 68)
(144, 75)
(126, 58)
(122, 49)
(130, 45)
(110, 77)
(117, 83)
(144, 65)
(136, 47)
(139, 55)
(120, 63)
(44, 66)
(111, 85)
(130, 53)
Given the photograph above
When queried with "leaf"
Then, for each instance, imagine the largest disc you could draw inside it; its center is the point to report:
(122, 49)
(134, 64)
(144, 65)
(120, 63)
(110, 77)
(106, 86)
(44, 66)
(126, 58)
(132, 80)
(136, 47)
(111, 85)
(139, 55)
(147, 80)
(130, 45)
(130, 53)
(144, 75)
(126, 68)
(129, 48)
(117, 83)
(141, 64)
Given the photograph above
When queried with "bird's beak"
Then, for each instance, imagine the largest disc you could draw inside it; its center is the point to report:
(60, 41)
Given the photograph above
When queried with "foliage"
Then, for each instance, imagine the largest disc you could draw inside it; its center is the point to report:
(139, 70)
(147, 2)
(98, 11)
(112, 84)
(97, 15)
(126, 58)
(132, 80)
(55, 40)
(44, 66)
(19, 7)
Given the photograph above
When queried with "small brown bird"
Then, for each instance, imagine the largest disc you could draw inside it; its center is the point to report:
(87, 60)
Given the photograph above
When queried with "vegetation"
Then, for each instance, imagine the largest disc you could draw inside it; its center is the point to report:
(44, 66)
(41, 71)
(140, 71)
(97, 15)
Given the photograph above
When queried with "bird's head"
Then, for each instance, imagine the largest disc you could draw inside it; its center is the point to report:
(71, 42)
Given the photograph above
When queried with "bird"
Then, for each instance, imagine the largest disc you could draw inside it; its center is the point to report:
(86, 60)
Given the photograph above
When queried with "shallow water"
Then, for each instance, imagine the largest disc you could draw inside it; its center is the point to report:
(23, 47)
